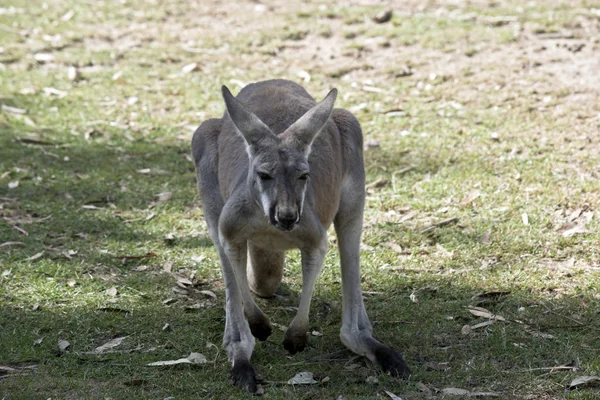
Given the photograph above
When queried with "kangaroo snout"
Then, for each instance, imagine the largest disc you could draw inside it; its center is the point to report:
(286, 219)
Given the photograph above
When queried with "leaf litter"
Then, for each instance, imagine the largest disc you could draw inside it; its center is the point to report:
(192, 359)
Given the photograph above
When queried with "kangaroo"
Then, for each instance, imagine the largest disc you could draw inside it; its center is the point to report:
(273, 174)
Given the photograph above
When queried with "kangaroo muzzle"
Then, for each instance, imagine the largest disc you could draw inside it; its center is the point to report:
(285, 219)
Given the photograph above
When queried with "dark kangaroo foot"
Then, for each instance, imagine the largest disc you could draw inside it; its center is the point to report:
(391, 361)
(294, 343)
(243, 376)
(260, 328)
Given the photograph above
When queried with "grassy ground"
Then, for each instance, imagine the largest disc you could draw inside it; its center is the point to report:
(481, 114)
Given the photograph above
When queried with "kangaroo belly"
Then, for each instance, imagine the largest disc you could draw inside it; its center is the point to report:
(275, 241)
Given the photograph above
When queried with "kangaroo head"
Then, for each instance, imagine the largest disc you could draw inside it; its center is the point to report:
(279, 171)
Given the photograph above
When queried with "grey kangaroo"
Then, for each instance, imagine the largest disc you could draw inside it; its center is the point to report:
(273, 174)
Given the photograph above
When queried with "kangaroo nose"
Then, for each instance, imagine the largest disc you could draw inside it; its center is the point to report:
(286, 219)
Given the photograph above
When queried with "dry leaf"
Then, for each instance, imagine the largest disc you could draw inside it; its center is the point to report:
(482, 324)
(579, 229)
(302, 378)
(68, 15)
(35, 256)
(383, 16)
(584, 381)
(165, 196)
(189, 68)
(482, 312)
(124, 259)
(193, 358)
(13, 110)
(485, 238)
(436, 366)
(396, 247)
(168, 267)
(393, 396)
(408, 216)
(63, 345)
(109, 345)
(423, 388)
(209, 293)
(472, 196)
(112, 292)
(455, 391)
(7, 244)
(43, 57)
(50, 91)
(466, 330)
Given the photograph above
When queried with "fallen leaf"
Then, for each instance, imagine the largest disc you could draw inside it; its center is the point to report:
(393, 396)
(72, 73)
(579, 229)
(484, 394)
(193, 358)
(472, 196)
(50, 91)
(68, 16)
(63, 345)
(383, 16)
(436, 366)
(584, 381)
(485, 237)
(13, 184)
(43, 57)
(455, 391)
(465, 330)
(112, 292)
(13, 110)
(302, 378)
(209, 293)
(423, 388)
(38, 341)
(482, 324)
(35, 256)
(407, 216)
(167, 267)
(109, 345)
(396, 247)
(7, 244)
(482, 312)
(413, 297)
(91, 207)
(189, 68)
(124, 259)
(165, 196)
(23, 231)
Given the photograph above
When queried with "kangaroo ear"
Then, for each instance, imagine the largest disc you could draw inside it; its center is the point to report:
(305, 129)
(248, 125)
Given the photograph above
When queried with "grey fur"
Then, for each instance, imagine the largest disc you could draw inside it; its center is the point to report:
(273, 174)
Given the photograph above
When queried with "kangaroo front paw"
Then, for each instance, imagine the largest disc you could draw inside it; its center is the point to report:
(243, 376)
(391, 361)
(294, 343)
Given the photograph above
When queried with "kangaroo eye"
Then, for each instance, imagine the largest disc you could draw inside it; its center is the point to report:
(264, 176)
(303, 177)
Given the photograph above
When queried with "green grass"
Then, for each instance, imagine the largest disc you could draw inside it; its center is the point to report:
(91, 167)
